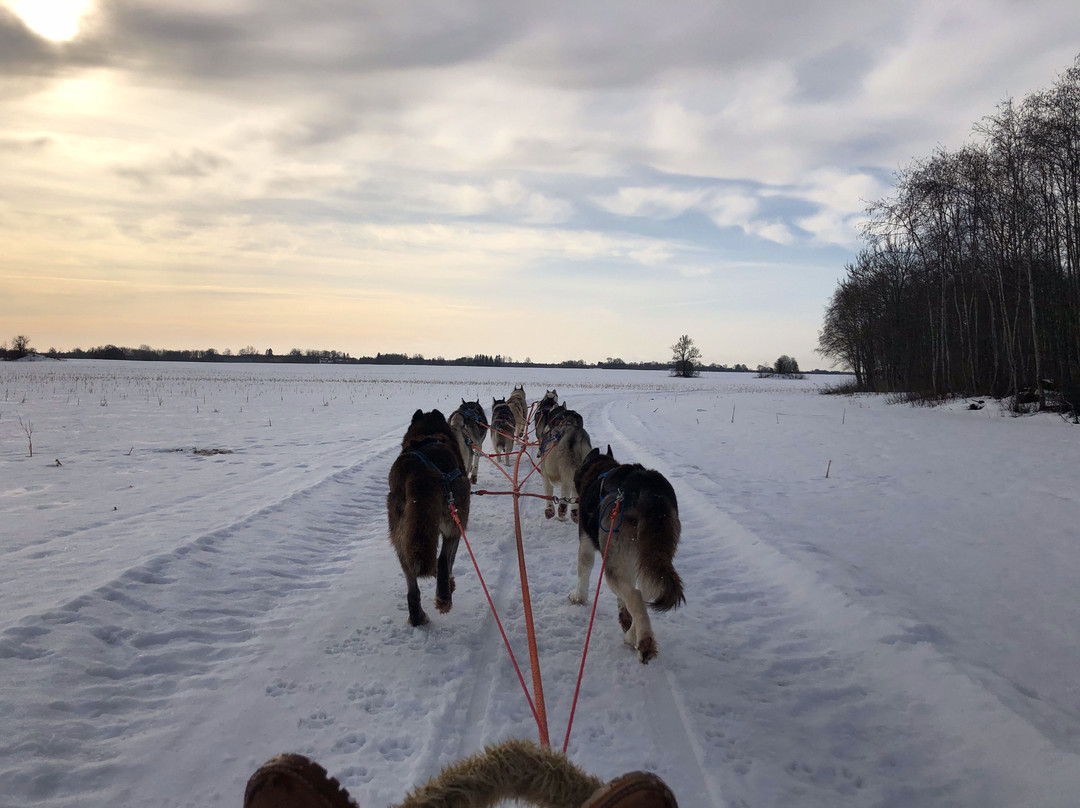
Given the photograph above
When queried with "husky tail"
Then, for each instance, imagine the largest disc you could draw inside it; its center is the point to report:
(658, 533)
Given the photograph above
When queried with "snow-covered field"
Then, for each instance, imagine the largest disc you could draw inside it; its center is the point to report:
(901, 632)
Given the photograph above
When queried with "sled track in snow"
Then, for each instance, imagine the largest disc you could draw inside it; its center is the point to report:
(668, 714)
(159, 629)
(779, 675)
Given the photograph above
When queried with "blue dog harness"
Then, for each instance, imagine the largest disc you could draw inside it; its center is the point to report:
(607, 506)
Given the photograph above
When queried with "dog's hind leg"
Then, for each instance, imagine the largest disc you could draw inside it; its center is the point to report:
(412, 567)
(417, 616)
(401, 530)
(444, 578)
(415, 536)
(549, 497)
(586, 556)
(620, 578)
(625, 620)
(474, 464)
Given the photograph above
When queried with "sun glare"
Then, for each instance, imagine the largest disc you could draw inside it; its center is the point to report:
(57, 20)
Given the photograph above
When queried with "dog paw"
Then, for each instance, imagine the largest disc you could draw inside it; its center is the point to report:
(549, 512)
(574, 516)
(577, 599)
(443, 605)
(422, 620)
(647, 650)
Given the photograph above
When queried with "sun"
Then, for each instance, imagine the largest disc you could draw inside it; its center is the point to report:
(57, 20)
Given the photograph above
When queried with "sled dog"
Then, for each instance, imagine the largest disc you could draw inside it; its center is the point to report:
(426, 476)
(469, 423)
(564, 445)
(520, 407)
(561, 416)
(644, 537)
(543, 407)
(503, 426)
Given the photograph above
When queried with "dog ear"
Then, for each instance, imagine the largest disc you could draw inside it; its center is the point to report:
(439, 414)
(416, 416)
(609, 454)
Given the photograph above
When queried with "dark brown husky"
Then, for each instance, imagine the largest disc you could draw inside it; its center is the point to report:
(644, 537)
(427, 477)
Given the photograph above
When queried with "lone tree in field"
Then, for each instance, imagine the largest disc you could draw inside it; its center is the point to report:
(20, 346)
(684, 358)
(786, 366)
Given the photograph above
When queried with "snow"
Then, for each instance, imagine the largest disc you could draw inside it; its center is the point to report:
(901, 631)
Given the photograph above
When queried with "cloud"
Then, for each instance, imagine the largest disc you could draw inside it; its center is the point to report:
(502, 198)
(195, 164)
(25, 144)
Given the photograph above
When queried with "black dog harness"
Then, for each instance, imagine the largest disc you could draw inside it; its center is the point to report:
(447, 476)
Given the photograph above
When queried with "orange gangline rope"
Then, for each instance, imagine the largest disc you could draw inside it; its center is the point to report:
(592, 618)
(526, 602)
(536, 700)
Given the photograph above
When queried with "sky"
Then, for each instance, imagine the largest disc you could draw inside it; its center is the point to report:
(543, 181)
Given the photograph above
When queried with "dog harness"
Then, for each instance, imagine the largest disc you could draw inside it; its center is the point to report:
(607, 506)
(447, 476)
(548, 443)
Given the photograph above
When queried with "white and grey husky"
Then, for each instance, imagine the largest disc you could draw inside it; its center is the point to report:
(564, 444)
(520, 407)
(469, 424)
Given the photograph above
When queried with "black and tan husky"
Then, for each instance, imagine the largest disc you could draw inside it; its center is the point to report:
(644, 537)
(427, 476)
(469, 423)
(543, 408)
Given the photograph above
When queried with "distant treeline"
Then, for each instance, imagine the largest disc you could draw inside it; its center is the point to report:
(145, 353)
(969, 283)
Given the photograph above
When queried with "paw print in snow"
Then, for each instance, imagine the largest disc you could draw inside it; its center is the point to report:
(350, 743)
(281, 688)
(396, 749)
(370, 698)
(315, 721)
